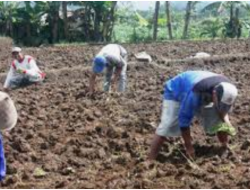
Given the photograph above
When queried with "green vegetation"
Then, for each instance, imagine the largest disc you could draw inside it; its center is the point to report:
(35, 23)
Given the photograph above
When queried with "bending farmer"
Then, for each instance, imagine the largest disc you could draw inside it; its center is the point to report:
(113, 57)
(205, 94)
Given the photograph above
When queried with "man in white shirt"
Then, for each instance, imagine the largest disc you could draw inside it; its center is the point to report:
(23, 71)
(113, 57)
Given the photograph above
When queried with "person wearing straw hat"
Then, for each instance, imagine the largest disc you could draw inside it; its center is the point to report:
(23, 71)
(113, 59)
(208, 95)
(8, 120)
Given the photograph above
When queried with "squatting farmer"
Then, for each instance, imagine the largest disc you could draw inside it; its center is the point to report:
(8, 119)
(23, 71)
(202, 93)
(113, 58)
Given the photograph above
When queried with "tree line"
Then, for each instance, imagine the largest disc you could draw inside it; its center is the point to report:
(34, 23)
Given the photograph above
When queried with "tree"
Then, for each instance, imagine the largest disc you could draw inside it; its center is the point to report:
(65, 18)
(109, 22)
(189, 8)
(28, 21)
(156, 14)
(97, 20)
(169, 25)
(7, 10)
(233, 26)
(53, 8)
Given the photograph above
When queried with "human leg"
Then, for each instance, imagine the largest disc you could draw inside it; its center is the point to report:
(123, 78)
(167, 128)
(107, 80)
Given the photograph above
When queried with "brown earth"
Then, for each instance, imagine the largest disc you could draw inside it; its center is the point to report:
(65, 139)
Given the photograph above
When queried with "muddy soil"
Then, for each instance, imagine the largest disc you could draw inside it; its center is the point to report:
(65, 139)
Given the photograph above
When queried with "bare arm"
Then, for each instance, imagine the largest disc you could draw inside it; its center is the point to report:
(185, 132)
(226, 119)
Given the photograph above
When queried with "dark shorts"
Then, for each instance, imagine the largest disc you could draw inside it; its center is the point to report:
(22, 82)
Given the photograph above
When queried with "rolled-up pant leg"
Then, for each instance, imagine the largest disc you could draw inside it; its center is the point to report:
(107, 80)
(2, 161)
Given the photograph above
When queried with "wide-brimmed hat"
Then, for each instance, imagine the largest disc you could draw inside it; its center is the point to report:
(8, 113)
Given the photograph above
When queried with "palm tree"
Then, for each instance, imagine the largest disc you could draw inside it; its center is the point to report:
(169, 25)
(156, 14)
(7, 11)
(30, 16)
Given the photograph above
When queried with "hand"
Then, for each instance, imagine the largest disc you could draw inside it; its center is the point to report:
(6, 133)
(190, 152)
(89, 94)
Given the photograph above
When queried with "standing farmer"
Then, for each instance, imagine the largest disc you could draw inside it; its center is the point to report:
(206, 94)
(8, 119)
(23, 71)
(113, 58)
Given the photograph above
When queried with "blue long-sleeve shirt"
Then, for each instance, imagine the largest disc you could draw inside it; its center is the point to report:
(180, 89)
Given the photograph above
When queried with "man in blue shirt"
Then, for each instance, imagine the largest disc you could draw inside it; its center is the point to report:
(8, 119)
(191, 93)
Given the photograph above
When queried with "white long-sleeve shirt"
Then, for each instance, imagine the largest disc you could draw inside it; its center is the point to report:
(114, 54)
(29, 68)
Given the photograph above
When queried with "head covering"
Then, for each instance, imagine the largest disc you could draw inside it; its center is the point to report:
(8, 113)
(99, 64)
(16, 49)
(226, 93)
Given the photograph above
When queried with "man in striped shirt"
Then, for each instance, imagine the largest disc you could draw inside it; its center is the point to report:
(23, 71)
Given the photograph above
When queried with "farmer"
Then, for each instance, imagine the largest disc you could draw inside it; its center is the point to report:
(23, 71)
(8, 119)
(113, 58)
(202, 93)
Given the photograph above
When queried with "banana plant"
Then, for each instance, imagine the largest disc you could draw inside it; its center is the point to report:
(211, 27)
(232, 28)
(29, 15)
(7, 12)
